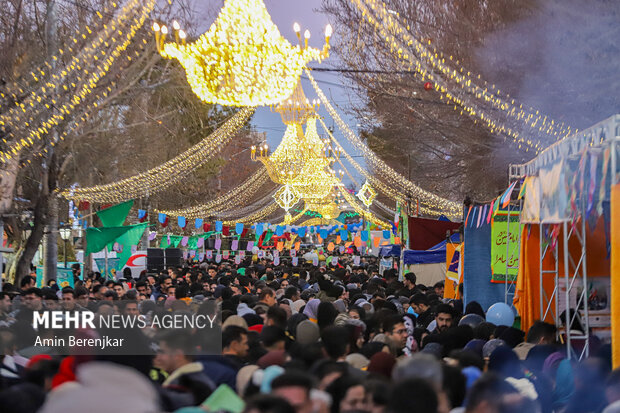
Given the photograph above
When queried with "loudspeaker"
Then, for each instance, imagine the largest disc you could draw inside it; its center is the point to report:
(155, 259)
(174, 257)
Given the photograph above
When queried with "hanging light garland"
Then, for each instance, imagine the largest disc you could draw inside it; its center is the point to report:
(430, 64)
(255, 217)
(31, 82)
(386, 171)
(242, 60)
(236, 196)
(104, 60)
(163, 176)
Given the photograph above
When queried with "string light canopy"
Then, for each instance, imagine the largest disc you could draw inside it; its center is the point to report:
(69, 87)
(242, 60)
(458, 87)
(166, 174)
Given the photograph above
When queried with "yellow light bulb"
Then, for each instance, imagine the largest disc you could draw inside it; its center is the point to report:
(328, 31)
(296, 27)
(164, 29)
(156, 27)
(176, 25)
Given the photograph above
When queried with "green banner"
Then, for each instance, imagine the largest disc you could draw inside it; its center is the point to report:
(505, 243)
(115, 216)
(98, 238)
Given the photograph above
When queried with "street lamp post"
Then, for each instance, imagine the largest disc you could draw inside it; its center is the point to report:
(65, 234)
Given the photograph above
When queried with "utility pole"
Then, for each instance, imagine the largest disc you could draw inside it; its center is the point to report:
(51, 230)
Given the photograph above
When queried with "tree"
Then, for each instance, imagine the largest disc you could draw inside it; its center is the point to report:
(438, 147)
(138, 115)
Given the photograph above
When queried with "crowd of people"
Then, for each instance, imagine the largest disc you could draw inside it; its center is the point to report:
(302, 339)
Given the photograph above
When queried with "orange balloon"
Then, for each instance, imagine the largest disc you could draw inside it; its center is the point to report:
(330, 247)
(357, 241)
(376, 241)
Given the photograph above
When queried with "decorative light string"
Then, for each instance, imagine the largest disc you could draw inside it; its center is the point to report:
(398, 180)
(236, 196)
(248, 209)
(39, 74)
(465, 80)
(166, 174)
(388, 27)
(77, 123)
(255, 217)
(87, 86)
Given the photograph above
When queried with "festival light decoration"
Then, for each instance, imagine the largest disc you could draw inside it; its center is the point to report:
(116, 37)
(393, 178)
(162, 176)
(464, 91)
(366, 194)
(242, 60)
(239, 195)
(255, 217)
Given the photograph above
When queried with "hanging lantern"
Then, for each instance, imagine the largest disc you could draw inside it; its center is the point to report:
(428, 86)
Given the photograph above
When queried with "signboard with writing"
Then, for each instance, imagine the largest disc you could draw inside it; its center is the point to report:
(505, 247)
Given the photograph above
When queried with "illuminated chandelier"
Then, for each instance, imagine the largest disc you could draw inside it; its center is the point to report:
(242, 60)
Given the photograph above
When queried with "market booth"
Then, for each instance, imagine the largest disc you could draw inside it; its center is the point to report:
(569, 239)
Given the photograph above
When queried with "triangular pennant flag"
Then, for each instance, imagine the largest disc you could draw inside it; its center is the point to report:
(200, 243)
(219, 226)
(152, 236)
(386, 234)
(209, 254)
(234, 245)
(365, 235)
(279, 230)
(218, 243)
(467, 218)
(115, 216)
(206, 226)
(161, 218)
(198, 223)
(295, 261)
(259, 229)
(505, 198)
(490, 212)
(129, 240)
(226, 230)
(184, 241)
(98, 238)
(249, 246)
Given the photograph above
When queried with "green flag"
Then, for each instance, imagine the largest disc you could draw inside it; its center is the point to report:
(98, 238)
(128, 240)
(192, 243)
(115, 216)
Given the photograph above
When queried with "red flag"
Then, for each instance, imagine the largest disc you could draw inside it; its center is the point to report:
(206, 226)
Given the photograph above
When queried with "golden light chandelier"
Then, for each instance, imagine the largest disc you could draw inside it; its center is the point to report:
(242, 60)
